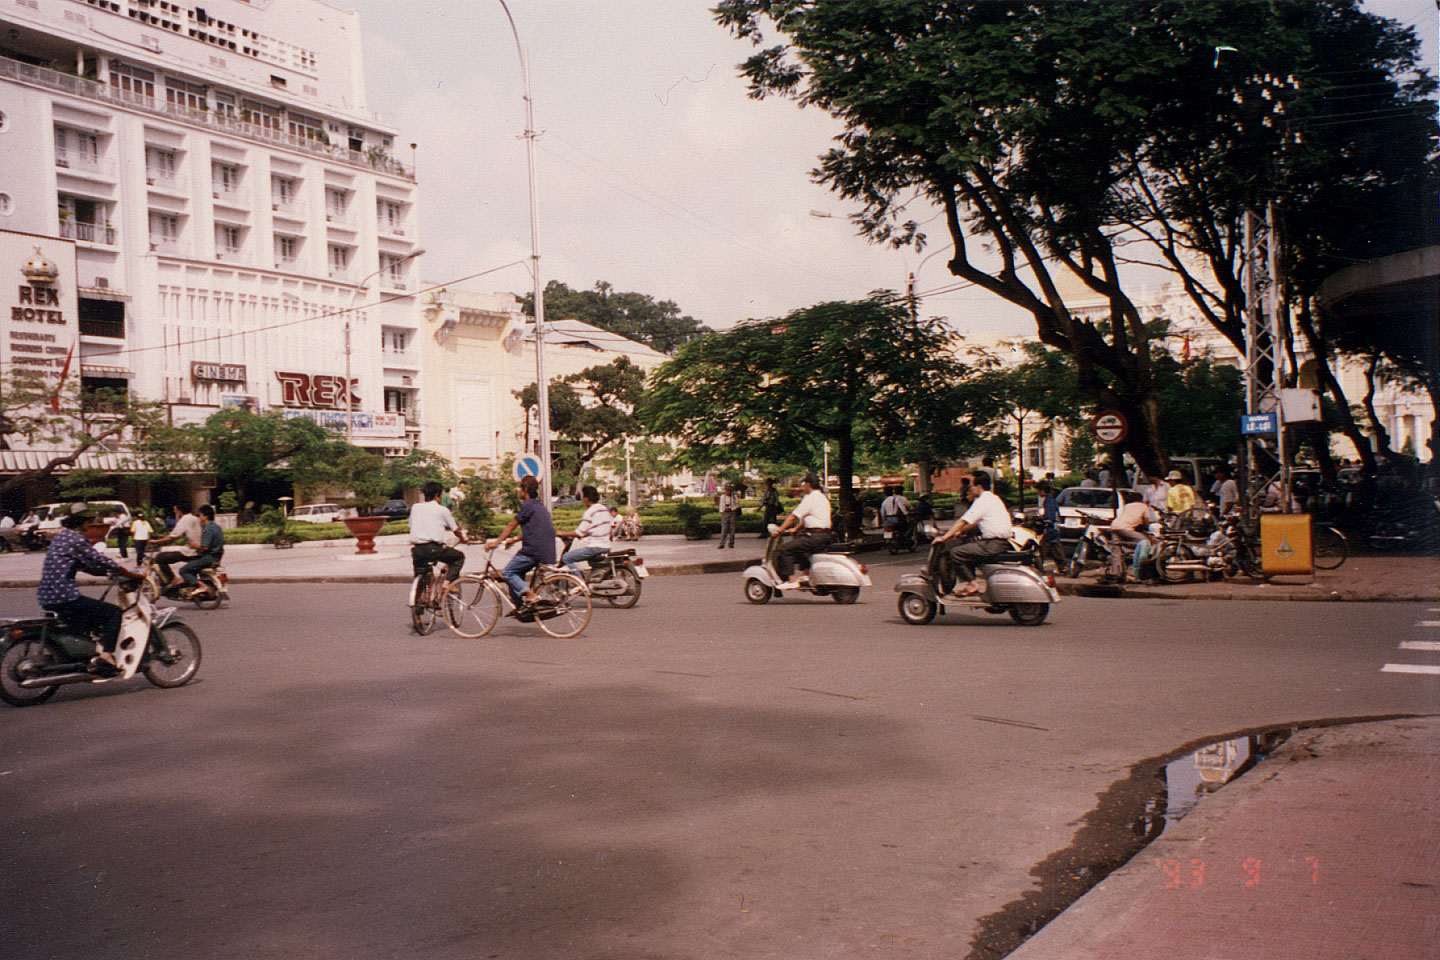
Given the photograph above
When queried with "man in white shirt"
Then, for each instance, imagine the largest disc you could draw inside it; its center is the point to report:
(1225, 490)
(812, 519)
(187, 530)
(592, 533)
(989, 519)
(893, 509)
(430, 520)
(1158, 496)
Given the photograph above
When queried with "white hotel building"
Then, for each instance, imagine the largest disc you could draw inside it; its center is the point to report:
(228, 196)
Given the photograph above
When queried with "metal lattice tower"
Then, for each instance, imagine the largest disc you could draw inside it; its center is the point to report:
(1264, 360)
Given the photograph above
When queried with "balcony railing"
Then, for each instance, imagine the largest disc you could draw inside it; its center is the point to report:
(164, 245)
(287, 208)
(286, 263)
(239, 126)
(164, 179)
(87, 232)
(74, 162)
(340, 273)
(233, 196)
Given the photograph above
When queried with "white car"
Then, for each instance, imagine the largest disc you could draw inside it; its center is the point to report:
(1080, 506)
(317, 513)
(50, 514)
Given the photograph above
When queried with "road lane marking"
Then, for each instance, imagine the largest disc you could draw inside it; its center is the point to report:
(1410, 668)
(1430, 623)
(1420, 644)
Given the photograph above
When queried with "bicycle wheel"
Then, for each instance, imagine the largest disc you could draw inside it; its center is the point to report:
(471, 607)
(1330, 547)
(563, 607)
(425, 612)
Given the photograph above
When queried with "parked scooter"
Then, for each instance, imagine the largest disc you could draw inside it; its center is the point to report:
(39, 655)
(616, 576)
(213, 577)
(1012, 585)
(835, 575)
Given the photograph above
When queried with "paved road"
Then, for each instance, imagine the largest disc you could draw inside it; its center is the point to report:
(697, 777)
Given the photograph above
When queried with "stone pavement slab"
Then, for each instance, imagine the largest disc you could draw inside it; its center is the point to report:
(1328, 850)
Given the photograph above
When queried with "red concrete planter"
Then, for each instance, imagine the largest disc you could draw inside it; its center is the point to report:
(364, 529)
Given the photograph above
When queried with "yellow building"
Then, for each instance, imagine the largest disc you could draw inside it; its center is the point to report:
(477, 352)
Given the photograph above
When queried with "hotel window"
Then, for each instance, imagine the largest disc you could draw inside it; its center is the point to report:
(159, 165)
(164, 231)
(397, 401)
(339, 261)
(186, 96)
(300, 125)
(225, 105)
(391, 216)
(224, 178)
(395, 341)
(227, 240)
(282, 192)
(76, 148)
(286, 250)
(1035, 456)
(261, 114)
(337, 203)
(392, 271)
(131, 82)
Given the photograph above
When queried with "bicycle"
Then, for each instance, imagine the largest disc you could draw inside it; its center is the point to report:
(1329, 547)
(427, 596)
(473, 604)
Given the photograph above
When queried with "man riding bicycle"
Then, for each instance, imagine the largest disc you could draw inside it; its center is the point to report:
(429, 523)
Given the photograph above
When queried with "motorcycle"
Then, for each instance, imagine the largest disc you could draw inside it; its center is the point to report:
(617, 577)
(39, 655)
(1098, 548)
(900, 535)
(835, 575)
(213, 577)
(1013, 585)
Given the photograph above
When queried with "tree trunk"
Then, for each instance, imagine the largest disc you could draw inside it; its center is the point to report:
(849, 503)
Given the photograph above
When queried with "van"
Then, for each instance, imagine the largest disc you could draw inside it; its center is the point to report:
(113, 512)
(317, 513)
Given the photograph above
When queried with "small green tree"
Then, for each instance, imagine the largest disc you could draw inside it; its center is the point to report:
(589, 411)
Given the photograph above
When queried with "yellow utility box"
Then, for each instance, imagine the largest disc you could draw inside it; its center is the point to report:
(1285, 543)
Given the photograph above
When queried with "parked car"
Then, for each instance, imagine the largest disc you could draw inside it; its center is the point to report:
(393, 510)
(1080, 506)
(317, 513)
(50, 514)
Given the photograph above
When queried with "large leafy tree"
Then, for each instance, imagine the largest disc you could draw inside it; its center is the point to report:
(638, 316)
(589, 411)
(861, 376)
(61, 423)
(1073, 138)
(252, 451)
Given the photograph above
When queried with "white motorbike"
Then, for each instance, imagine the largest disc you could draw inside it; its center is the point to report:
(835, 575)
(1013, 585)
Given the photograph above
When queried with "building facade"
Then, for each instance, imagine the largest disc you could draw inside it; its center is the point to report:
(229, 198)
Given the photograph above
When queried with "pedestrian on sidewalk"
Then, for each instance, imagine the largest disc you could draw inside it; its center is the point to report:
(728, 503)
(122, 537)
(770, 504)
(140, 532)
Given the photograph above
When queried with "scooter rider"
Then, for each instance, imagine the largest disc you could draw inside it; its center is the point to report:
(592, 533)
(429, 522)
(69, 551)
(894, 509)
(812, 519)
(989, 517)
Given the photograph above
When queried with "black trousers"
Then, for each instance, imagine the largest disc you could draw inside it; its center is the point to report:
(967, 554)
(424, 554)
(88, 614)
(796, 551)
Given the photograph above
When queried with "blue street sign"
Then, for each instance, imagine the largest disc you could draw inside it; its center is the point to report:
(527, 466)
(1252, 424)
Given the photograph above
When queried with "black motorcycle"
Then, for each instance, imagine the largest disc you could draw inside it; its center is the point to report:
(615, 576)
(39, 655)
(899, 534)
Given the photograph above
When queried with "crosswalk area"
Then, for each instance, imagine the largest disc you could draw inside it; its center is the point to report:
(1419, 646)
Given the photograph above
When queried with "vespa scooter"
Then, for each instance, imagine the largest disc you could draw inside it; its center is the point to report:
(1012, 585)
(831, 574)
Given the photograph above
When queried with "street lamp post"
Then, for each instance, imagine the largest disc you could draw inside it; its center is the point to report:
(542, 386)
(349, 318)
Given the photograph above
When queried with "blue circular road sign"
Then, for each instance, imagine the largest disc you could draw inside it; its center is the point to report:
(527, 466)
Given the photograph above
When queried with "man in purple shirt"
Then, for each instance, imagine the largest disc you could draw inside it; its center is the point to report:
(69, 551)
(537, 541)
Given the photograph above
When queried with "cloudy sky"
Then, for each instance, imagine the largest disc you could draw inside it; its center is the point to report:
(656, 172)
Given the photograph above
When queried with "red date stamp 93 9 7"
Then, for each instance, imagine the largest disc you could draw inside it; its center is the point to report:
(1191, 874)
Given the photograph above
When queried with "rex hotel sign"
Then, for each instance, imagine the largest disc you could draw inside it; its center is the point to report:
(317, 391)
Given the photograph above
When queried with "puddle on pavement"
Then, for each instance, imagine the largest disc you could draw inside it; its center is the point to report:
(1133, 812)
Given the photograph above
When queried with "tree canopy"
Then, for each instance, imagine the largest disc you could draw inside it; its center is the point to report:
(1075, 138)
(589, 411)
(863, 376)
(638, 316)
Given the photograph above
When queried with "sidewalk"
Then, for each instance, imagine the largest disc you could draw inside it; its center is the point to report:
(1361, 578)
(1329, 850)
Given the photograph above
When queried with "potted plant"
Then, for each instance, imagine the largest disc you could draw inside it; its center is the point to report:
(689, 515)
(273, 518)
(370, 482)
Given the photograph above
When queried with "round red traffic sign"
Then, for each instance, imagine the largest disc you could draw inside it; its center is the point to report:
(1109, 427)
